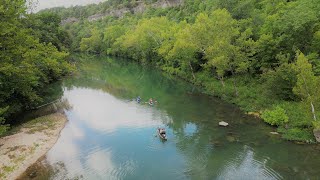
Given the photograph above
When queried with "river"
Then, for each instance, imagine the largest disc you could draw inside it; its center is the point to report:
(111, 136)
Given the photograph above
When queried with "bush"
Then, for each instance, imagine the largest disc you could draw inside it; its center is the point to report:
(316, 125)
(3, 128)
(298, 114)
(277, 116)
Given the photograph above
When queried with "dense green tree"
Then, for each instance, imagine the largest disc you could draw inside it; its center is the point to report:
(181, 54)
(279, 83)
(92, 44)
(308, 85)
(142, 42)
(111, 34)
(26, 64)
(46, 26)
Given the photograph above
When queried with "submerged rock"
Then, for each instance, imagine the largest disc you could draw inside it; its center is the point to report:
(299, 142)
(216, 143)
(33, 174)
(222, 123)
(231, 138)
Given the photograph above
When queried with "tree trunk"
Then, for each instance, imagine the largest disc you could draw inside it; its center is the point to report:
(222, 82)
(313, 111)
(235, 85)
(235, 88)
(194, 77)
(312, 106)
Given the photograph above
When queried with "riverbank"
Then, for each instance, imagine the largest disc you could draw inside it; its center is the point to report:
(30, 142)
(253, 98)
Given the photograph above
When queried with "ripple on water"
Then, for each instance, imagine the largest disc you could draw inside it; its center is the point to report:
(156, 144)
(244, 166)
(125, 169)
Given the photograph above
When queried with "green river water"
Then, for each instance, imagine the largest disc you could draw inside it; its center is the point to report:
(111, 136)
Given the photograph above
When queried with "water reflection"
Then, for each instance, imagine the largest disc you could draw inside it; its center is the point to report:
(103, 112)
(94, 114)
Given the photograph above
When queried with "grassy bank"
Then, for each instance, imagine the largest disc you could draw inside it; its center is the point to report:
(254, 99)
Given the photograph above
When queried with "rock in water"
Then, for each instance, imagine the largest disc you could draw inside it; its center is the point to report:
(222, 123)
(275, 133)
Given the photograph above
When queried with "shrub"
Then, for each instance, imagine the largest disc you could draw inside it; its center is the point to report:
(277, 116)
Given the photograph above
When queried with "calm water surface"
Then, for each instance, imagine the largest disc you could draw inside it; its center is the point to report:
(110, 136)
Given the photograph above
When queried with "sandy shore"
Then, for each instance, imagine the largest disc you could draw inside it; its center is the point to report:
(34, 139)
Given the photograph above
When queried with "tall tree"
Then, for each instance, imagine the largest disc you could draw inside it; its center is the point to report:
(93, 43)
(308, 85)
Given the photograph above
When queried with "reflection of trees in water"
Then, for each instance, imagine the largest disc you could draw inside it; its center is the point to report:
(60, 171)
(58, 105)
(43, 170)
(209, 150)
(125, 79)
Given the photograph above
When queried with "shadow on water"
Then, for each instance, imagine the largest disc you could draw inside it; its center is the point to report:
(109, 135)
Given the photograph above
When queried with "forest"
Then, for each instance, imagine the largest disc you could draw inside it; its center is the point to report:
(33, 53)
(258, 54)
(261, 55)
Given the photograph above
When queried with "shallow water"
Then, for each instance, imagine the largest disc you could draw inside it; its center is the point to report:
(110, 136)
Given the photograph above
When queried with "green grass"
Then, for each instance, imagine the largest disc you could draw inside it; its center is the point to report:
(8, 169)
(297, 134)
(5, 170)
(19, 159)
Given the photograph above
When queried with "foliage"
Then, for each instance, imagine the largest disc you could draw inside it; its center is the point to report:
(3, 128)
(46, 27)
(93, 43)
(280, 82)
(29, 57)
(277, 116)
(308, 85)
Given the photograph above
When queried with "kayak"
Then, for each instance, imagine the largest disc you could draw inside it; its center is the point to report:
(163, 135)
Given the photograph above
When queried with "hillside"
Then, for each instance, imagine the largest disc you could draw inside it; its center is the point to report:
(110, 8)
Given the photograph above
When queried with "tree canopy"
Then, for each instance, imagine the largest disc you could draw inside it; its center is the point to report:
(31, 56)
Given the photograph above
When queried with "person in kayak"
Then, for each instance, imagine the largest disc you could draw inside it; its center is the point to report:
(162, 131)
(150, 102)
(138, 99)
